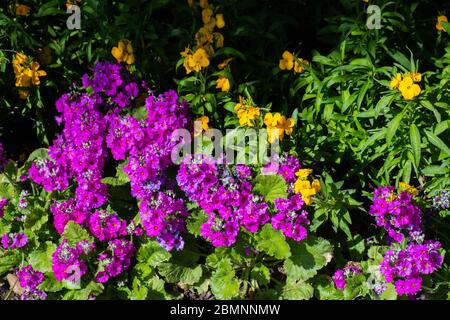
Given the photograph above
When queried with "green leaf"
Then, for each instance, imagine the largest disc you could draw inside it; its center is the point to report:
(152, 253)
(435, 140)
(41, 153)
(182, 275)
(414, 136)
(297, 290)
(272, 242)
(307, 258)
(224, 284)
(8, 261)
(230, 52)
(261, 274)
(74, 233)
(41, 259)
(393, 126)
(271, 186)
(325, 289)
(389, 293)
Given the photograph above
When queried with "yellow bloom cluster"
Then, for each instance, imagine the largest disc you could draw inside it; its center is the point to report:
(200, 125)
(288, 62)
(304, 186)
(27, 73)
(439, 26)
(195, 61)
(123, 52)
(407, 84)
(72, 2)
(206, 39)
(277, 126)
(223, 83)
(403, 186)
(247, 114)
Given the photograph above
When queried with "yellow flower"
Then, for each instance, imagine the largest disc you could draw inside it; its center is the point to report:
(301, 185)
(298, 65)
(219, 39)
(274, 133)
(272, 120)
(200, 125)
(395, 82)
(206, 15)
(287, 125)
(303, 173)
(22, 10)
(71, 2)
(247, 114)
(439, 25)
(287, 61)
(316, 185)
(222, 65)
(223, 83)
(123, 52)
(306, 195)
(18, 62)
(185, 53)
(408, 88)
(220, 22)
(203, 37)
(406, 187)
(191, 3)
(416, 76)
(34, 73)
(196, 61)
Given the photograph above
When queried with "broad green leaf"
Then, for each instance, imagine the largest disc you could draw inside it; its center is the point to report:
(271, 186)
(272, 242)
(41, 259)
(8, 261)
(261, 274)
(307, 258)
(393, 126)
(224, 284)
(174, 273)
(297, 290)
(74, 233)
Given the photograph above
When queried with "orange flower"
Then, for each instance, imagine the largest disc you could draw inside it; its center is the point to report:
(22, 10)
(439, 25)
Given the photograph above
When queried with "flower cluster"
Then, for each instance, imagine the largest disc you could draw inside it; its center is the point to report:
(341, 275)
(224, 195)
(123, 52)
(66, 211)
(27, 73)
(395, 212)
(163, 217)
(405, 266)
(407, 84)
(277, 126)
(10, 241)
(116, 260)
(289, 217)
(21, 9)
(3, 203)
(29, 279)
(440, 201)
(67, 263)
(106, 226)
(288, 62)
(304, 186)
(247, 114)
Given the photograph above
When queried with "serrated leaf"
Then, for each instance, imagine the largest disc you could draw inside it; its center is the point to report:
(224, 284)
(174, 273)
(297, 290)
(8, 261)
(307, 258)
(272, 242)
(41, 259)
(74, 233)
(261, 274)
(271, 187)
